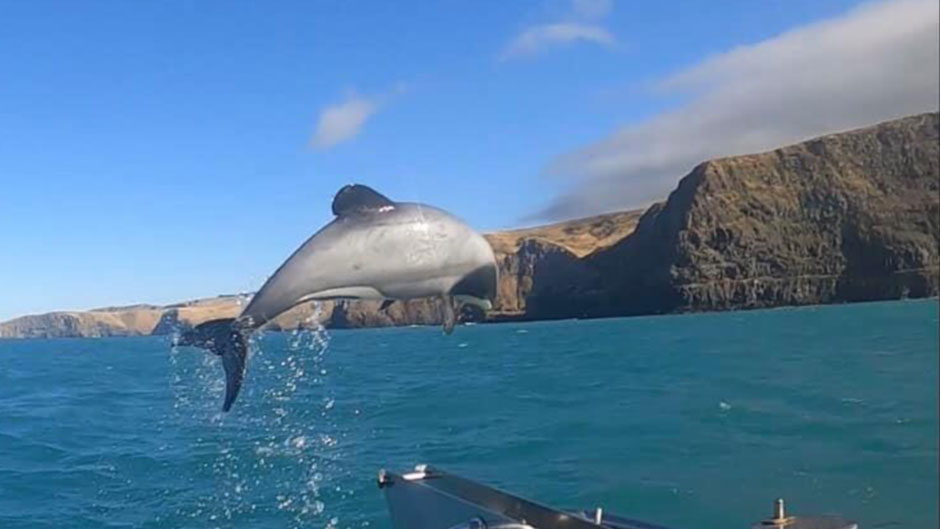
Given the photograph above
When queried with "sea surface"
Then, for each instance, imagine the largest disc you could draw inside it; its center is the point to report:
(692, 421)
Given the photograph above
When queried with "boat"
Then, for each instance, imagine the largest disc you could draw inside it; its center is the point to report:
(428, 498)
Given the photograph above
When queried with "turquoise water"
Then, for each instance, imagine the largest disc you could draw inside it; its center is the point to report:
(693, 421)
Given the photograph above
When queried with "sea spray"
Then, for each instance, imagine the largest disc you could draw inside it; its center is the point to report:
(273, 447)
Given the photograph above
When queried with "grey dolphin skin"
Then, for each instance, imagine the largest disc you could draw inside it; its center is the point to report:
(374, 249)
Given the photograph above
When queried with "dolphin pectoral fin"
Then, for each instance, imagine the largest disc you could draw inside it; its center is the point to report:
(450, 314)
(386, 304)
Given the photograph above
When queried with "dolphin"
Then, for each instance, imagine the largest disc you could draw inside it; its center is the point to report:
(374, 249)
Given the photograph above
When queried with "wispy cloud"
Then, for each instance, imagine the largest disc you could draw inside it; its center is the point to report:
(343, 121)
(579, 26)
(538, 38)
(876, 62)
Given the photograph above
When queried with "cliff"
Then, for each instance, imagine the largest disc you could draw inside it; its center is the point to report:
(847, 217)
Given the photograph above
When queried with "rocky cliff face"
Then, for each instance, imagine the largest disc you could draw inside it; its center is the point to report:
(847, 217)
(135, 320)
(72, 324)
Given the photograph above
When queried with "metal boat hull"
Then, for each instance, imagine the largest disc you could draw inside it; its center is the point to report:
(432, 499)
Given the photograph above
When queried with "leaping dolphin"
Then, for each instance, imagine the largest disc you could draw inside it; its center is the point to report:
(374, 249)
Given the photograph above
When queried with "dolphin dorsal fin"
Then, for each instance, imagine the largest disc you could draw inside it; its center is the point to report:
(357, 198)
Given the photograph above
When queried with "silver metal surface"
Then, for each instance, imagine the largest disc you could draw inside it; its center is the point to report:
(432, 499)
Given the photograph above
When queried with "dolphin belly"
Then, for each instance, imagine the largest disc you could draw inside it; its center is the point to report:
(422, 288)
(391, 288)
(350, 292)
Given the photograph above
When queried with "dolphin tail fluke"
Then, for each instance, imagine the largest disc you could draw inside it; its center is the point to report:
(234, 362)
(223, 338)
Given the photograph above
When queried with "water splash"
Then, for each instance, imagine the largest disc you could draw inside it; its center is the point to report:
(275, 453)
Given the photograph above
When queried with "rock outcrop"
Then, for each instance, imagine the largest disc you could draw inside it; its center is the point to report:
(847, 217)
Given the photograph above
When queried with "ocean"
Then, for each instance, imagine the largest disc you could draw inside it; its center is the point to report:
(697, 420)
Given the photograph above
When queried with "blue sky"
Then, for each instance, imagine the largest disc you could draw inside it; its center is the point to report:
(161, 151)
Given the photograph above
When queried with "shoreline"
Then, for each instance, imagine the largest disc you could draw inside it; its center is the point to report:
(507, 321)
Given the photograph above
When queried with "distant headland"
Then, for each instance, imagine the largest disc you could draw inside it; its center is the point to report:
(853, 216)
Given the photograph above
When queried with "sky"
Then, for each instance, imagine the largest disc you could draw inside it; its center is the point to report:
(152, 152)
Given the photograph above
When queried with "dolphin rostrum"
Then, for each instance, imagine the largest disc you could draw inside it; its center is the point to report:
(374, 249)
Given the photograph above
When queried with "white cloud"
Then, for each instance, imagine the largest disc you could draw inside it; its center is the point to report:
(876, 62)
(592, 8)
(343, 121)
(538, 38)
